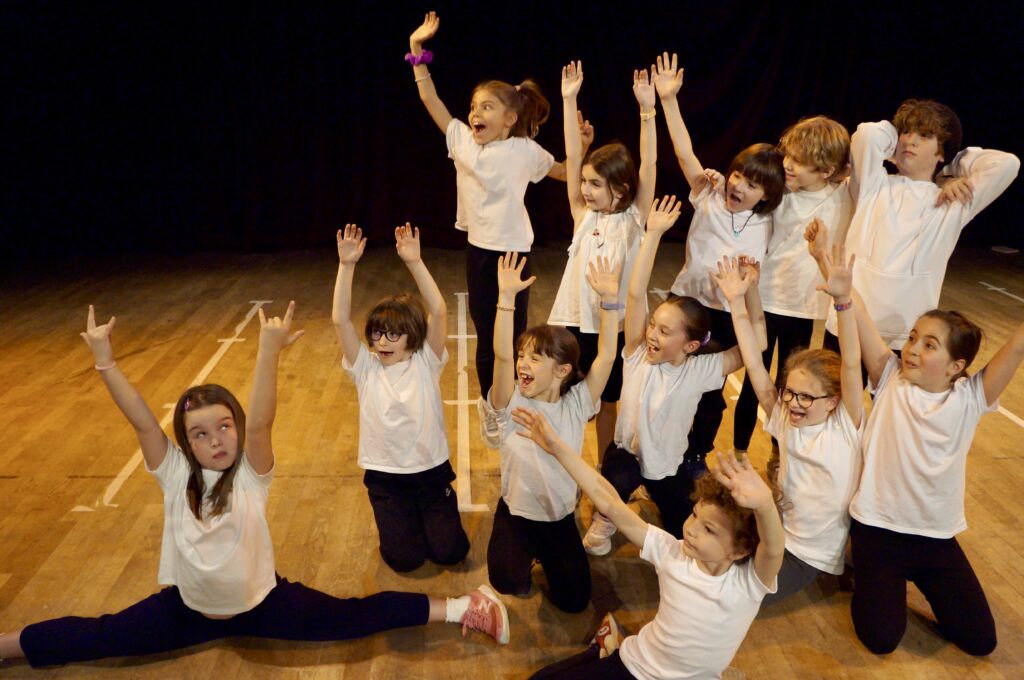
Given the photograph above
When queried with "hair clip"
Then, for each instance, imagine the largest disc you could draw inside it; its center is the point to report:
(706, 340)
(188, 404)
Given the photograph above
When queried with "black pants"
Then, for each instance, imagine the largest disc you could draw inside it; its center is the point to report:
(671, 494)
(515, 541)
(712, 404)
(791, 334)
(794, 576)
(482, 286)
(885, 560)
(162, 622)
(417, 517)
(586, 665)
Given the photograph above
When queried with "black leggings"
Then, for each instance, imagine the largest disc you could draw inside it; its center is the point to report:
(586, 665)
(482, 286)
(791, 334)
(515, 541)
(162, 622)
(671, 494)
(885, 560)
(712, 404)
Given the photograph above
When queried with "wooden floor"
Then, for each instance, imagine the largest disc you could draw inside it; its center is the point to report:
(80, 527)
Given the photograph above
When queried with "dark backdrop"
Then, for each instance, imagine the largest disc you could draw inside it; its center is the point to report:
(186, 127)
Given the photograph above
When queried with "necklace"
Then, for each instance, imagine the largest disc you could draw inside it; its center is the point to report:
(597, 231)
(732, 223)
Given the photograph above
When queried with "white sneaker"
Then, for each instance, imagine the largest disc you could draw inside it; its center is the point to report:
(598, 539)
(490, 431)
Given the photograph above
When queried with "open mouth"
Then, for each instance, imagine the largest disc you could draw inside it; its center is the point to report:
(796, 416)
(478, 128)
(734, 198)
(525, 380)
(384, 354)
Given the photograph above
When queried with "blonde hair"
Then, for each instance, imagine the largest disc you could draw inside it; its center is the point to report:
(817, 141)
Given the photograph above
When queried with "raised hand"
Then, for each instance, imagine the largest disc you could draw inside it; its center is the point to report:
(426, 30)
(840, 274)
(732, 282)
(664, 214)
(572, 79)
(956, 189)
(510, 273)
(667, 77)
(643, 89)
(714, 177)
(747, 487)
(351, 244)
(586, 131)
(98, 338)
(816, 235)
(603, 279)
(275, 333)
(535, 427)
(407, 242)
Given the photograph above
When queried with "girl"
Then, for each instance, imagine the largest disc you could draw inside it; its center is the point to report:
(667, 367)
(495, 158)
(609, 202)
(403, 443)
(817, 420)
(710, 587)
(731, 218)
(216, 558)
(816, 157)
(535, 514)
(910, 504)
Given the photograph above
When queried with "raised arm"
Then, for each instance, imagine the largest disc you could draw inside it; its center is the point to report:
(572, 80)
(734, 287)
(874, 351)
(643, 90)
(510, 282)
(605, 282)
(661, 218)
(986, 173)
(669, 80)
(275, 335)
(152, 439)
(559, 170)
(604, 496)
(816, 235)
(424, 83)
(750, 491)
(839, 285)
(1000, 369)
(351, 245)
(407, 243)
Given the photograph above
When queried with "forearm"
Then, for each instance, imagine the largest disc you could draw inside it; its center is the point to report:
(752, 300)
(429, 291)
(648, 162)
(750, 348)
(849, 343)
(772, 544)
(681, 142)
(573, 143)
(597, 488)
(428, 92)
(263, 400)
(642, 268)
(129, 401)
(341, 312)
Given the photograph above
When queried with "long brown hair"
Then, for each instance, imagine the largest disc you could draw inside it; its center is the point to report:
(199, 397)
(614, 164)
(525, 99)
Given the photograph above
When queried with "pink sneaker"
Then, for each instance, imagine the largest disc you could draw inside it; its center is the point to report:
(486, 614)
(608, 636)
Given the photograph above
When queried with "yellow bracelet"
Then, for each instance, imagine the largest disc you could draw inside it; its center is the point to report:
(647, 115)
(505, 309)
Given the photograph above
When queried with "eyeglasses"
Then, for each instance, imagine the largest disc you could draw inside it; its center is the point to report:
(392, 336)
(803, 400)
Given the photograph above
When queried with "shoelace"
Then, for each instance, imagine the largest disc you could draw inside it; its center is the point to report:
(477, 618)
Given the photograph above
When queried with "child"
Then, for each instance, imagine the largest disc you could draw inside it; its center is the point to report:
(816, 156)
(817, 418)
(495, 158)
(732, 217)
(905, 226)
(609, 203)
(216, 558)
(667, 368)
(910, 504)
(710, 588)
(535, 514)
(403, 443)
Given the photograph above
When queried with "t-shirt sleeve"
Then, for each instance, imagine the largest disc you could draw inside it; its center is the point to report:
(891, 366)
(977, 402)
(870, 146)
(171, 468)
(703, 196)
(659, 545)
(455, 137)
(990, 172)
(359, 370)
(752, 582)
(434, 363)
(581, 401)
(775, 425)
(709, 371)
(541, 162)
(248, 478)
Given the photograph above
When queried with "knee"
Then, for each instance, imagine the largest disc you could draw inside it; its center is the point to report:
(571, 602)
(879, 640)
(978, 641)
(506, 582)
(452, 553)
(402, 561)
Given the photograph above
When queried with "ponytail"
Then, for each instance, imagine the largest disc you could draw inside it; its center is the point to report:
(525, 100)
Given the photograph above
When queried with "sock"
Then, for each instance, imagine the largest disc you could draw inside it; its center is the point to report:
(455, 608)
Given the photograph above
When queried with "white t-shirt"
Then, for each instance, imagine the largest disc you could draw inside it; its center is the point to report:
(615, 236)
(902, 240)
(715, 233)
(491, 183)
(701, 619)
(819, 472)
(401, 416)
(533, 483)
(789, 274)
(222, 565)
(657, 406)
(915, 455)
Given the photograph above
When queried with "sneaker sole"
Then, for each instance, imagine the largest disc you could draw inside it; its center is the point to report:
(600, 549)
(489, 592)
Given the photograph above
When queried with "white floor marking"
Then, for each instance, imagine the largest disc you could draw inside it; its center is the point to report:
(463, 480)
(136, 459)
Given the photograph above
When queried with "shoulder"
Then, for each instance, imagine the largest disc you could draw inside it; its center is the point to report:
(659, 545)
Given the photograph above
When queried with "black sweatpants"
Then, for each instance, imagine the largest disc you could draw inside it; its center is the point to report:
(516, 541)
(482, 288)
(885, 560)
(712, 404)
(162, 622)
(417, 517)
(586, 665)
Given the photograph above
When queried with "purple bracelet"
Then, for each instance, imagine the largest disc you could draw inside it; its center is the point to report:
(425, 57)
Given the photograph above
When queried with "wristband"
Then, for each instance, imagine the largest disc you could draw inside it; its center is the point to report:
(505, 309)
(647, 115)
(425, 57)
(107, 367)
(842, 307)
(612, 306)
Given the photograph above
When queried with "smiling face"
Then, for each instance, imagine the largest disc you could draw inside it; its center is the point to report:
(213, 436)
(598, 194)
(917, 155)
(742, 193)
(489, 118)
(801, 385)
(391, 352)
(800, 177)
(540, 376)
(925, 359)
(708, 538)
(666, 336)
